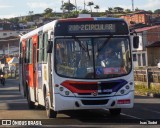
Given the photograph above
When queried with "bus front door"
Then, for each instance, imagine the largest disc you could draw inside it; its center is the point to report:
(35, 71)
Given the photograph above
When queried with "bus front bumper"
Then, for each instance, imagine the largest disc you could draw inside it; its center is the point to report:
(75, 103)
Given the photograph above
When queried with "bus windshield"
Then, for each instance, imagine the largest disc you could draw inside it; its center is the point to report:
(92, 57)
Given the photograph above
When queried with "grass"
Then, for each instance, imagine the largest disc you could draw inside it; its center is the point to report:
(143, 90)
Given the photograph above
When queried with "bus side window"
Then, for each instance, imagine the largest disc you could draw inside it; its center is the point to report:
(30, 51)
(27, 52)
(45, 40)
(40, 50)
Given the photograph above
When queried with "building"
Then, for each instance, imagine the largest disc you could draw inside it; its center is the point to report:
(142, 17)
(148, 53)
(9, 43)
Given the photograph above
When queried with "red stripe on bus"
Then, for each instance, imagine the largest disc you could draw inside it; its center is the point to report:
(76, 19)
(80, 87)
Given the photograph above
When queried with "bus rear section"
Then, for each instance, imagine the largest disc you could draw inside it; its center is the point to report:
(88, 66)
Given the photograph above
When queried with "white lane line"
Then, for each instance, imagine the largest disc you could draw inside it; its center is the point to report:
(131, 116)
(151, 110)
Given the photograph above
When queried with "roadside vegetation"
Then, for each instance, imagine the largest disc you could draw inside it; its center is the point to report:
(141, 89)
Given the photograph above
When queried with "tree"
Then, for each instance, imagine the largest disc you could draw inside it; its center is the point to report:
(137, 9)
(150, 11)
(96, 7)
(84, 12)
(90, 4)
(48, 13)
(48, 10)
(128, 11)
(110, 9)
(68, 7)
(73, 14)
(28, 18)
(119, 9)
(14, 20)
(30, 13)
(157, 11)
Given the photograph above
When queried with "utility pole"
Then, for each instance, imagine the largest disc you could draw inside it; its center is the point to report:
(69, 5)
(62, 6)
(84, 5)
(132, 5)
(76, 4)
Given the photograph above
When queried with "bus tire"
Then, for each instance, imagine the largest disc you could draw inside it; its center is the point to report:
(50, 112)
(115, 111)
(31, 104)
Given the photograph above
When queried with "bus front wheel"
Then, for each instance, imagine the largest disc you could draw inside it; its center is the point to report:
(50, 112)
(115, 111)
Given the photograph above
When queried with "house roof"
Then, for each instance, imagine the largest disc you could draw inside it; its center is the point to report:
(155, 44)
(146, 28)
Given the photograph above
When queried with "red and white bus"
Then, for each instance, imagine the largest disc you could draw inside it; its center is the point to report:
(63, 65)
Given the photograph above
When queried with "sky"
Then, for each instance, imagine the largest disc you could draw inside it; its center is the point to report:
(15, 8)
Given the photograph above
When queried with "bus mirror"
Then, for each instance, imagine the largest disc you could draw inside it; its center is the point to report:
(136, 41)
(49, 47)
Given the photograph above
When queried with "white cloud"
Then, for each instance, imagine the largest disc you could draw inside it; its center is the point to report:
(150, 5)
(38, 5)
(8, 16)
(5, 6)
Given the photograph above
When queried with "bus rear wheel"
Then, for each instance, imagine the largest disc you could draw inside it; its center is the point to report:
(50, 112)
(115, 111)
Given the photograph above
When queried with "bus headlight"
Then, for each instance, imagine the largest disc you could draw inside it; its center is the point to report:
(64, 91)
(124, 90)
(61, 89)
(127, 87)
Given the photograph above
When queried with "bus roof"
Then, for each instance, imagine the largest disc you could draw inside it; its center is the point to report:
(92, 19)
(51, 25)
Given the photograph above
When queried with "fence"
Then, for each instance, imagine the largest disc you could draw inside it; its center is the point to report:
(11, 74)
(148, 75)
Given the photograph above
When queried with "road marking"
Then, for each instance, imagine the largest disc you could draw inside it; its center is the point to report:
(151, 110)
(131, 116)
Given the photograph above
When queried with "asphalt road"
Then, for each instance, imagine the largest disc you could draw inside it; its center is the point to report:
(13, 106)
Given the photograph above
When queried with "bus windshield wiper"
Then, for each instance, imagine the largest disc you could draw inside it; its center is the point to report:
(80, 44)
(105, 42)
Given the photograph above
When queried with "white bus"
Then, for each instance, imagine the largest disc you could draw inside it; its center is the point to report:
(64, 66)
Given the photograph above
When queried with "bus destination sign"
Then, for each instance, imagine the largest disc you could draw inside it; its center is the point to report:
(86, 28)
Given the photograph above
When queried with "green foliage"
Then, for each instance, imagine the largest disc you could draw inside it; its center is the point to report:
(48, 13)
(68, 7)
(90, 4)
(118, 9)
(23, 21)
(73, 14)
(14, 20)
(141, 89)
(29, 18)
(157, 11)
(84, 12)
(128, 11)
(96, 7)
(150, 11)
